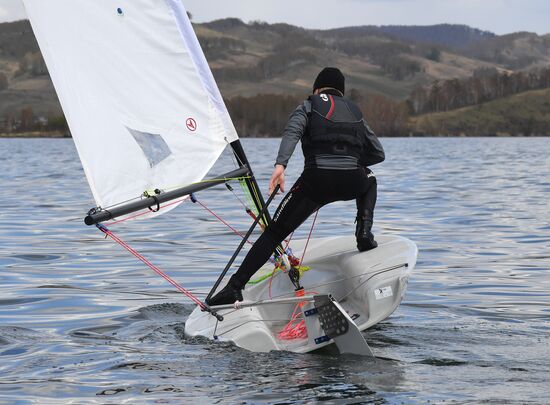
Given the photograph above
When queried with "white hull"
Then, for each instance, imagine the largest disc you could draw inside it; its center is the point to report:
(368, 287)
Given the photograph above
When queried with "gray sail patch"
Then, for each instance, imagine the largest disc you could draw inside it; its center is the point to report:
(153, 146)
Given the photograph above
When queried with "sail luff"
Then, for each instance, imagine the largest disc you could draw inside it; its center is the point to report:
(197, 55)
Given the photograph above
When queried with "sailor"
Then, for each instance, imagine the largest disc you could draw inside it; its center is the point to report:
(338, 145)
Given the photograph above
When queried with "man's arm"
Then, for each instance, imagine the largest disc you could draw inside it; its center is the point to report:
(293, 132)
(375, 152)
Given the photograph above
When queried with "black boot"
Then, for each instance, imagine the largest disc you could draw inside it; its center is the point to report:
(365, 212)
(228, 295)
(363, 234)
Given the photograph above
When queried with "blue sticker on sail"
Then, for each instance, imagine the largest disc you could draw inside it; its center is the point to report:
(153, 146)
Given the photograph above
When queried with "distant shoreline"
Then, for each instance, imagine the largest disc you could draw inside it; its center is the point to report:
(61, 135)
(35, 134)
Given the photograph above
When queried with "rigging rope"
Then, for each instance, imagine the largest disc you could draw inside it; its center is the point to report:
(109, 233)
(228, 186)
(295, 328)
(139, 214)
(250, 212)
(309, 236)
(158, 191)
(195, 200)
(293, 260)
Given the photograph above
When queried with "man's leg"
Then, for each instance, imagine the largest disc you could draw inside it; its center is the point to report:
(365, 215)
(293, 210)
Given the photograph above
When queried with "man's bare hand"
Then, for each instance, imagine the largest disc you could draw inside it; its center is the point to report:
(278, 177)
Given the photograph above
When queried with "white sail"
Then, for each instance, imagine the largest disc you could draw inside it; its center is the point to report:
(141, 102)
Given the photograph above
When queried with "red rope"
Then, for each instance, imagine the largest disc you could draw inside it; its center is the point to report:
(296, 327)
(177, 202)
(293, 330)
(309, 236)
(222, 220)
(151, 266)
(293, 259)
(288, 241)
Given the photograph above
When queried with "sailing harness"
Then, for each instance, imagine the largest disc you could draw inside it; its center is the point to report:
(336, 127)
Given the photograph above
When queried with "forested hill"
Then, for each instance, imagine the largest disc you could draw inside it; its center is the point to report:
(268, 68)
(449, 35)
(16, 39)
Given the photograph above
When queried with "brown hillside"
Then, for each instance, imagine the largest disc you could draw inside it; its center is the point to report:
(261, 58)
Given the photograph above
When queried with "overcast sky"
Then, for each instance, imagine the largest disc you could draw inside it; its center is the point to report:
(498, 16)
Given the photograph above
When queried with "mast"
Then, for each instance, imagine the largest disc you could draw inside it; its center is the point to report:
(251, 182)
(252, 185)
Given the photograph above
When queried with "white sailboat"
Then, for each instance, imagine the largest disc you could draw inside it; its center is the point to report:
(149, 122)
(356, 289)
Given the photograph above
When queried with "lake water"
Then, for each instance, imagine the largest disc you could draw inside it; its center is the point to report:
(81, 321)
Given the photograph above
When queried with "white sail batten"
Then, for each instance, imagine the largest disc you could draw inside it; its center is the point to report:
(141, 102)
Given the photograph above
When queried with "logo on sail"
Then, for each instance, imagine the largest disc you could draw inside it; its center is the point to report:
(191, 124)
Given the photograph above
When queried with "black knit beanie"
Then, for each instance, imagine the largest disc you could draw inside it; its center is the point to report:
(330, 77)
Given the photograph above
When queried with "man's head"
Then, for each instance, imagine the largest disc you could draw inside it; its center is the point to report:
(330, 78)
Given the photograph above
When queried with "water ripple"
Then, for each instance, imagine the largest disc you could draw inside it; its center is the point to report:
(82, 322)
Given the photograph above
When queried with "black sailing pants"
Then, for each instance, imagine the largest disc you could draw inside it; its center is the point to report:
(313, 189)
